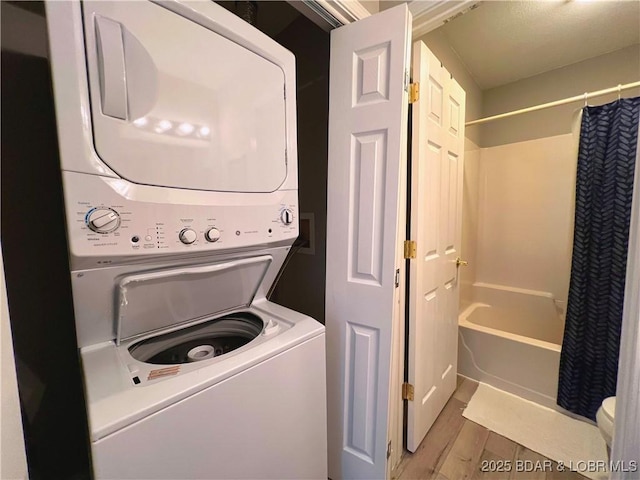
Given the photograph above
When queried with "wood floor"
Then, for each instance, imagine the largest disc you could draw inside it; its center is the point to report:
(456, 448)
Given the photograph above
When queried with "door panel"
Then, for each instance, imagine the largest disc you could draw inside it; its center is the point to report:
(200, 113)
(367, 167)
(436, 189)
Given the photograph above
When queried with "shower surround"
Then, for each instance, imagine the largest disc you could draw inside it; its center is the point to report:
(517, 234)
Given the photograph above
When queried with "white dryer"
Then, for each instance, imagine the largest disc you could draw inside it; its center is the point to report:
(176, 126)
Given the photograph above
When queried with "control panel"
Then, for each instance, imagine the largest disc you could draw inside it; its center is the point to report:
(103, 223)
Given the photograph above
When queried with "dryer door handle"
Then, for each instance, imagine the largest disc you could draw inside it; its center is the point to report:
(111, 66)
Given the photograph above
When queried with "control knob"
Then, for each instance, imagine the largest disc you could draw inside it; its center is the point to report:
(187, 236)
(286, 216)
(212, 235)
(102, 220)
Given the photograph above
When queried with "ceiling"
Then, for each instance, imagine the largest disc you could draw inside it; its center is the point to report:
(504, 41)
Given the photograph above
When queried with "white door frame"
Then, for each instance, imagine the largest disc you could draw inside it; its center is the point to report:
(427, 16)
(330, 14)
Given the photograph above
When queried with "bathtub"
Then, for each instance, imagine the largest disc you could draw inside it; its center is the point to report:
(510, 338)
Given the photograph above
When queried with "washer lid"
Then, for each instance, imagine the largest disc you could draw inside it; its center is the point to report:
(154, 300)
(176, 104)
(609, 407)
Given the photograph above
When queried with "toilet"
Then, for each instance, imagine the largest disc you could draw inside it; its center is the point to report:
(604, 418)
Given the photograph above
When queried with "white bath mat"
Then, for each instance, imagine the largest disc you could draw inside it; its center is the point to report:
(541, 429)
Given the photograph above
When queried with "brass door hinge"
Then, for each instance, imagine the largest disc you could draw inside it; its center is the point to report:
(407, 392)
(414, 92)
(410, 248)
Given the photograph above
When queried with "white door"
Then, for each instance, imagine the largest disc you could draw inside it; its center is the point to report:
(367, 168)
(436, 215)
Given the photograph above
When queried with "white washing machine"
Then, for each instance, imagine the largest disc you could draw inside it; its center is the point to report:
(176, 126)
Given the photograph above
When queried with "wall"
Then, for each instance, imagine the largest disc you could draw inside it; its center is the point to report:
(15, 22)
(13, 459)
(619, 67)
(525, 214)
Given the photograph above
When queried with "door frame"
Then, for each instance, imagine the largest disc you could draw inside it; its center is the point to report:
(330, 14)
(427, 16)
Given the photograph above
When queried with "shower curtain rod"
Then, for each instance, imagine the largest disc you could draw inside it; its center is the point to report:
(584, 97)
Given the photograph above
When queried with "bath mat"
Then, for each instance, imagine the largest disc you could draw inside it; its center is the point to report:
(541, 429)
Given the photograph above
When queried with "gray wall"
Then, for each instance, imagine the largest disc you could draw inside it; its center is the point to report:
(619, 67)
(16, 23)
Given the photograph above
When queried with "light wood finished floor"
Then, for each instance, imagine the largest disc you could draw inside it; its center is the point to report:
(456, 448)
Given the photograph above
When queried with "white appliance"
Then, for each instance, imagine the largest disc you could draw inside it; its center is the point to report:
(177, 134)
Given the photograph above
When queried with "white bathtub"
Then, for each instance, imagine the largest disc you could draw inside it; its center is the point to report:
(510, 338)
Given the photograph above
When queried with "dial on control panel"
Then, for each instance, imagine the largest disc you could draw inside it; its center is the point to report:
(286, 216)
(187, 236)
(103, 220)
(212, 235)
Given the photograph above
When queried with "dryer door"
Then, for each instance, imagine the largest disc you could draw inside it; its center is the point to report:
(176, 104)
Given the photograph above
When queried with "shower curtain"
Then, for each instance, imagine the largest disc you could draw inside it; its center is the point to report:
(604, 187)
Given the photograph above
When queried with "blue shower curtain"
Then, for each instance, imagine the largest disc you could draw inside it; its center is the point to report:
(604, 186)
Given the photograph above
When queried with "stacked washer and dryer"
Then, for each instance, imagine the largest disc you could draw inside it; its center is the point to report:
(177, 135)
